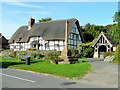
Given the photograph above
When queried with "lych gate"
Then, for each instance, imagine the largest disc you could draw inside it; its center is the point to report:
(104, 43)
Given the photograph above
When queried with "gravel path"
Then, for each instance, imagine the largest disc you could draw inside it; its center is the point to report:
(102, 73)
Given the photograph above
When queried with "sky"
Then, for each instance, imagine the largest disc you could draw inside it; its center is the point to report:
(16, 14)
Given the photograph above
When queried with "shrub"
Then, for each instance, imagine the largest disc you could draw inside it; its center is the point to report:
(53, 56)
(31, 49)
(22, 54)
(75, 53)
(88, 52)
(8, 53)
(109, 58)
(13, 54)
(117, 54)
(56, 60)
(37, 55)
(108, 54)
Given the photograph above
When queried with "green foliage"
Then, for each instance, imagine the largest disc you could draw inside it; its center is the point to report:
(75, 53)
(31, 49)
(108, 54)
(22, 54)
(116, 17)
(89, 44)
(45, 19)
(15, 54)
(88, 52)
(86, 48)
(115, 33)
(53, 56)
(91, 31)
(36, 55)
(8, 53)
(117, 54)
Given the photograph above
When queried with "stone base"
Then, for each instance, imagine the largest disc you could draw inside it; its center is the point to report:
(64, 55)
(63, 62)
(95, 55)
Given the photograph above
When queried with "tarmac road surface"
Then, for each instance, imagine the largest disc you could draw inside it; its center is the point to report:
(24, 79)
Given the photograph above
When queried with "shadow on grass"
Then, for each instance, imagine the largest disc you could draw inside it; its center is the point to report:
(7, 64)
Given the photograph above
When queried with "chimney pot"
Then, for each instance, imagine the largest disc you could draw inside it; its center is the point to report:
(30, 23)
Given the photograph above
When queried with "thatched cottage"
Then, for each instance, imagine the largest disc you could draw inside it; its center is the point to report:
(48, 35)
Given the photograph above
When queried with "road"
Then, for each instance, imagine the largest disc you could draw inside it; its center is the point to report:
(103, 75)
(102, 72)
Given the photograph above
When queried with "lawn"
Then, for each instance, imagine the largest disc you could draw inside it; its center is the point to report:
(7, 63)
(77, 70)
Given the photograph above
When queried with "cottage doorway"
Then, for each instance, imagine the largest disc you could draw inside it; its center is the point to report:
(101, 50)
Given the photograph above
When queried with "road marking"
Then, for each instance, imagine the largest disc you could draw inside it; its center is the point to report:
(18, 78)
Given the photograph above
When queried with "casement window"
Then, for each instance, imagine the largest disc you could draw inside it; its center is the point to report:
(57, 45)
(47, 45)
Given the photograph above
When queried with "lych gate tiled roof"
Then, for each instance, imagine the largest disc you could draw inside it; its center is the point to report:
(109, 38)
(50, 30)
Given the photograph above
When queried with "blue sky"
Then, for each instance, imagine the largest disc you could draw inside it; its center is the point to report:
(17, 14)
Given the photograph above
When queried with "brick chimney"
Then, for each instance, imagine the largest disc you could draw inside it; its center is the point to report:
(30, 23)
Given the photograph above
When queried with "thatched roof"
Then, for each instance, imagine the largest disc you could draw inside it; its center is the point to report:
(51, 30)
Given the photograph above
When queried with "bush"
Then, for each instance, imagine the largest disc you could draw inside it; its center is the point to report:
(31, 49)
(22, 54)
(109, 58)
(117, 54)
(13, 54)
(108, 54)
(88, 52)
(9, 53)
(53, 56)
(56, 60)
(37, 55)
(75, 53)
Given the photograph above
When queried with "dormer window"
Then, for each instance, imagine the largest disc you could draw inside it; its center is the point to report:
(13, 41)
(19, 39)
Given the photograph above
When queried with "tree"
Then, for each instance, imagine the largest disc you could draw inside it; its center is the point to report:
(115, 30)
(116, 17)
(45, 19)
(90, 31)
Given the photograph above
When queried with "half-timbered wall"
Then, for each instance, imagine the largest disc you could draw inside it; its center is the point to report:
(43, 45)
(74, 38)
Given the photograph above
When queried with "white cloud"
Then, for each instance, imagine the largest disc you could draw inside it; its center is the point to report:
(19, 3)
(25, 5)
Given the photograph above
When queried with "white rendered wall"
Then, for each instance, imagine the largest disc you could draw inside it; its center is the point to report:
(52, 45)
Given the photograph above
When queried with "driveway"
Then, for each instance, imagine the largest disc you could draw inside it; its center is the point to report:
(102, 73)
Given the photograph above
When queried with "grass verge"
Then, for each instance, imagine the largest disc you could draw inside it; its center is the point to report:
(71, 71)
(64, 70)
